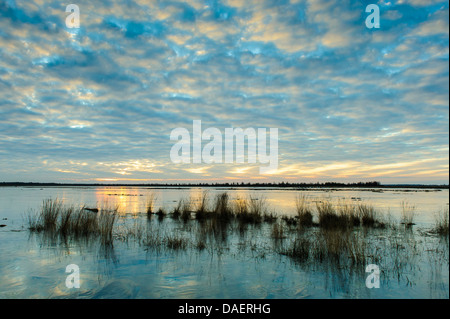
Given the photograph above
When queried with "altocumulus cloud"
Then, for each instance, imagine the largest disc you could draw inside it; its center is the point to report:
(99, 102)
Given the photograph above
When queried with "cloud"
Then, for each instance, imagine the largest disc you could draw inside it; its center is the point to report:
(350, 103)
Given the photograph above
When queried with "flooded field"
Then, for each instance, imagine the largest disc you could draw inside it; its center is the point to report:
(223, 242)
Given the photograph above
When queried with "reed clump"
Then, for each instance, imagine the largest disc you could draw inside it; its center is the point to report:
(270, 217)
(55, 217)
(150, 203)
(290, 221)
(161, 213)
(346, 216)
(201, 211)
(176, 211)
(222, 209)
(441, 223)
(329, 218)
(370, 217)
(304, 211)
(251, 210)
(348, 212)
(408, 214)
(186, 209)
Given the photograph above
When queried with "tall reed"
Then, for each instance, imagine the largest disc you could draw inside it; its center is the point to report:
(150, 203)
(408, 214)
(65, 220)
(304, 211)
(201, 211)
(441, 223)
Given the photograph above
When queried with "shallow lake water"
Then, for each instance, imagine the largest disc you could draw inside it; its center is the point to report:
(242, 266)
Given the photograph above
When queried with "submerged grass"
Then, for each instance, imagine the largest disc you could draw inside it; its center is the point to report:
(150, 203)
(176, 242)
(345, 248)
(186, 209)
(441, 223)
(277, 231)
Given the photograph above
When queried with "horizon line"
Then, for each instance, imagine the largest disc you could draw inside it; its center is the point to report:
(236, 184)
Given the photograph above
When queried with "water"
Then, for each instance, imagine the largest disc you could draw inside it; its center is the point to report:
(33, 266)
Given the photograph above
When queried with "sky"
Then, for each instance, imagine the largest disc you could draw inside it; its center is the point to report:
(98, 103)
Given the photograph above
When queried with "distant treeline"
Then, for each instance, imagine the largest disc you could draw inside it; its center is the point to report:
(235, 184)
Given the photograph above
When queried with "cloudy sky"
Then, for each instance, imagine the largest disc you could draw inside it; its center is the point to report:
(98, 103)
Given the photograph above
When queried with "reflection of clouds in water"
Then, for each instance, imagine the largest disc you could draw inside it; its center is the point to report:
(130, 271)
(116, 289)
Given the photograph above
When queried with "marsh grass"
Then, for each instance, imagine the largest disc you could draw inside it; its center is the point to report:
(329, 218)
(126, 231)
(347, 235)
(277, 231)
(345, 216)
(357, 248)
(251, 210)
(186, 209)
(304, 211)
(150, 203)
(348, 212)
(343, 248)
(222, 209)
(176, 211)
(161, 213)
(299, 250)
(59, 219)
(216, 230)
(200, 244)
(176, 242)
(441, 223)
(290, 221)
(105, 223)
(201, 211)
(270, 217)
(47, 218)
(240, 206)
(408, 214)
(370, 217)
(159, 238)
(332, 243)
(153, 239)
